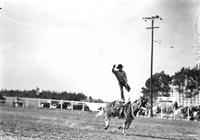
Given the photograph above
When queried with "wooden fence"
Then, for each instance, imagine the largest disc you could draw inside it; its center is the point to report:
(51, 103)
(39, 103)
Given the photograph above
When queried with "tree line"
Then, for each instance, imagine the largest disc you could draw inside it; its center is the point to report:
(186, 81)
(47, 94)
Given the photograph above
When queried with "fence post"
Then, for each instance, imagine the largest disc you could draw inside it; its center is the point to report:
(13, 102)
(188, 111)
(39, 102)
(61, 104)
(161, 112)
(27, 102)
(72, 104)
(83, 106)
(174, 114)
(49, 103)
(149, 113)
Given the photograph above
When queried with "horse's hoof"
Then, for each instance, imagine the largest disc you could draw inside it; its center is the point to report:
(106, 128)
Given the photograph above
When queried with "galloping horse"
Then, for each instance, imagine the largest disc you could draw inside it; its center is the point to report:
(127, 112)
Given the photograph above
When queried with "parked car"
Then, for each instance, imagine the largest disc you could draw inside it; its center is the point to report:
(2, 100)
(79, 106)
(45, 105)
(54, 104)
(64, 105)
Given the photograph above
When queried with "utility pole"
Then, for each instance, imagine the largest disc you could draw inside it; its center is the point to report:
(152, 36)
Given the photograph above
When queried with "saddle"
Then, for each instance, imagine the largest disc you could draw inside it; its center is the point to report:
(118, 109)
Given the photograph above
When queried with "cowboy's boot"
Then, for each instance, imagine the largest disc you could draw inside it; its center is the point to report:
(127, 87)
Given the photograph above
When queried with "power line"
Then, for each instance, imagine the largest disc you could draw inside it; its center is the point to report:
(152, 37)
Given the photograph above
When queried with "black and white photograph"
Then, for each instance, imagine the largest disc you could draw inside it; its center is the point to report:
(99, 69)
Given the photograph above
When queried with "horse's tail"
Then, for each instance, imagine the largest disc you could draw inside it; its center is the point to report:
(100, 113)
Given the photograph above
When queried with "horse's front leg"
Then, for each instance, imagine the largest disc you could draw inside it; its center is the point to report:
(107, 122)
(123, 130)
(123, 127)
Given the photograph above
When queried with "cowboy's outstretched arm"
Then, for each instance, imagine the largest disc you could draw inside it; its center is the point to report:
(113, 69)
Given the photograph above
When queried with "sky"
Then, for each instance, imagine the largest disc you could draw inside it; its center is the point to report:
(72, 45)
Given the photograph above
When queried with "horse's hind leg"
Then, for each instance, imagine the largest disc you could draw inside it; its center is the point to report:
(127, 124)
(107, 121)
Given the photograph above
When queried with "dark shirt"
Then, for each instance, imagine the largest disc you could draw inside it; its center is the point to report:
(120, 75)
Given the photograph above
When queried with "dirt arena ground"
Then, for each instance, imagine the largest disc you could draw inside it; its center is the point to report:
(19, 123)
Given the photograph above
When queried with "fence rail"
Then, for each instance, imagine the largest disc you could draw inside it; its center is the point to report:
(176, 114)
(52, 103)
(71, 105)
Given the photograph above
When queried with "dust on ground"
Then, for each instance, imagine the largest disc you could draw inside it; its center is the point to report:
(19, 123)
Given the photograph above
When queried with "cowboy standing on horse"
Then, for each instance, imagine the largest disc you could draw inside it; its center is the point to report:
(122, 79)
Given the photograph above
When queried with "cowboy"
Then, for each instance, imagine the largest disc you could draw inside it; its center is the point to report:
(122, 79)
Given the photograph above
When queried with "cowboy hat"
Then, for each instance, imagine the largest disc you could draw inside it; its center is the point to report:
(120, 66)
